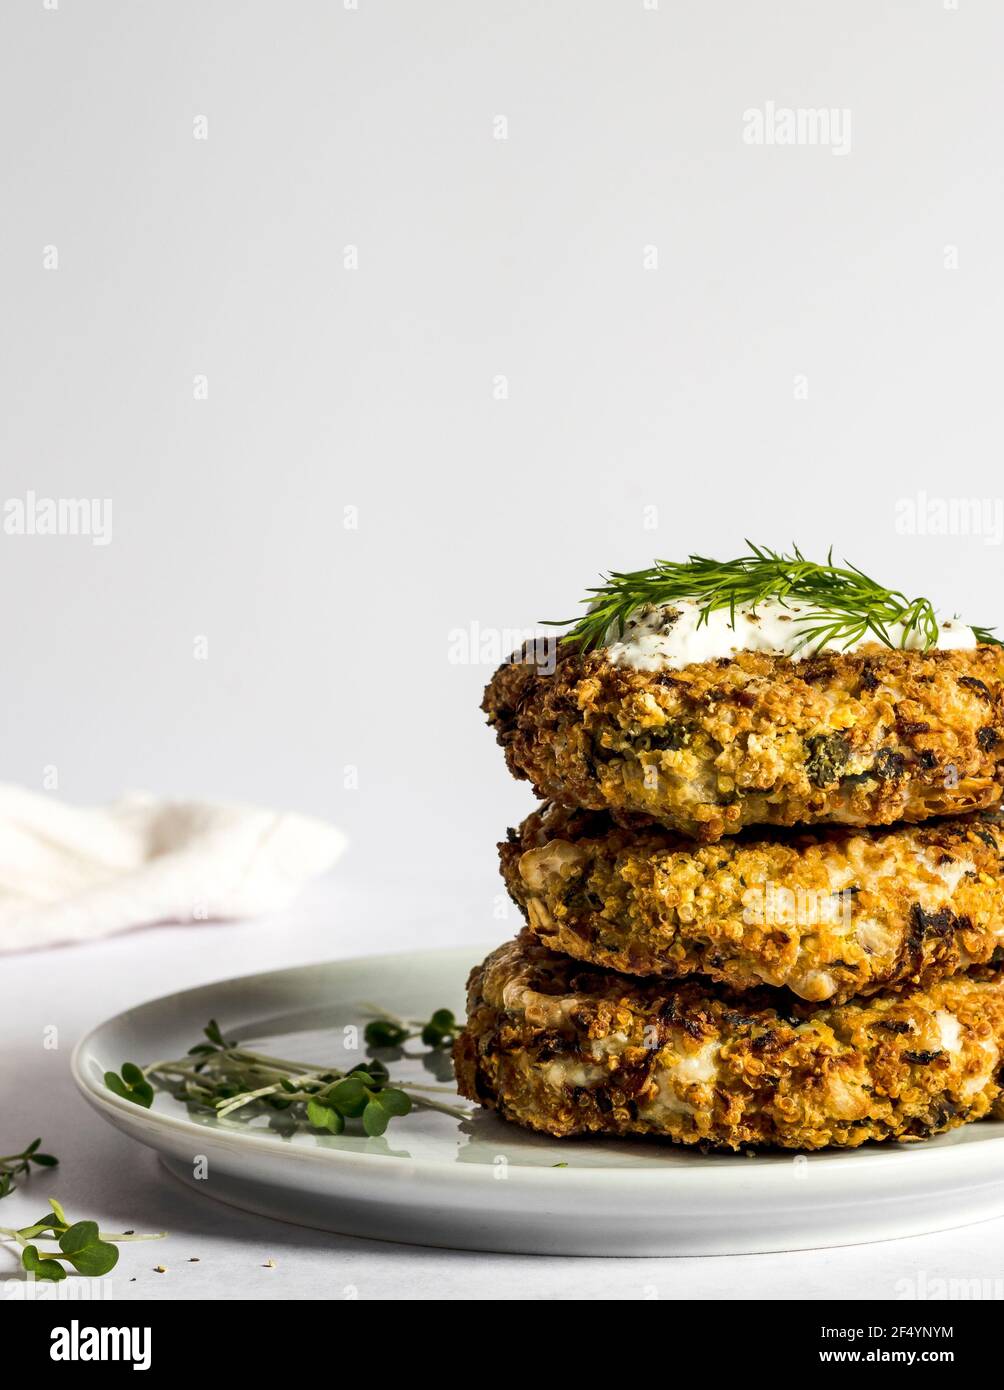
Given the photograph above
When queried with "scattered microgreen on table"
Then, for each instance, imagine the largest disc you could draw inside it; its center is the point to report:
(233, 1081)
(11, 1165)
(78, 1244)
(846, 604)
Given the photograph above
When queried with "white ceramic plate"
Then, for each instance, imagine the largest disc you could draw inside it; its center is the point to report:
(481, 1184)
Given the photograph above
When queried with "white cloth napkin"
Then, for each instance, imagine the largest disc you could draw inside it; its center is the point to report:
(72, 873)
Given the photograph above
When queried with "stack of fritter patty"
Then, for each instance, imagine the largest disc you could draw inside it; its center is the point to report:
(691, 969)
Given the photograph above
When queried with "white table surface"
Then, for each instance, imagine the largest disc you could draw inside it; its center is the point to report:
(104, 1176)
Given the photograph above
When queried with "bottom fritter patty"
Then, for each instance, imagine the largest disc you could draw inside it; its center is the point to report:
(569, 1049)
(829, 912)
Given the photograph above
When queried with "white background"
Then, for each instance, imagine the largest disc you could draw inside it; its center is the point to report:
(676, 388)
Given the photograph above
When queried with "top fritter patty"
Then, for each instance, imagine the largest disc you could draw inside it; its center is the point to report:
(866, 738)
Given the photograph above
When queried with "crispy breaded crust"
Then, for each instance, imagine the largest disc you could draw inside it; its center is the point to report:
(865, 738)
(567, 1049)
(828, 913)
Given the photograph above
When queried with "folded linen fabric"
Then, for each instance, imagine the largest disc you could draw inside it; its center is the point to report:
(72, 873)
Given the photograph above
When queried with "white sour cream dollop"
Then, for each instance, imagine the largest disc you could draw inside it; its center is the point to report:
(667, 637)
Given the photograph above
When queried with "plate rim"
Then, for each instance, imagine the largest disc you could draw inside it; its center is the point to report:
(101, 1099)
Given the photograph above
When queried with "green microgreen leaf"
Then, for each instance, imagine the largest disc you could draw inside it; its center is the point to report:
(381, 1032)
(375, 1119)
(86, 1251)
(441, 1028)
(41, 1268)
(372, 1071)
(78, 1237)
(381, 1108)
(130, 1085)
(45, 1225)
(349, 1096)
(13, 1165)
(325, 1117)
(395, 1102)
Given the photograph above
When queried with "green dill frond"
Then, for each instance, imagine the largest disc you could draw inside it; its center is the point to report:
(846, 604)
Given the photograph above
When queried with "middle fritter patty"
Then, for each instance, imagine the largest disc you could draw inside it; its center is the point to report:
(829, 913)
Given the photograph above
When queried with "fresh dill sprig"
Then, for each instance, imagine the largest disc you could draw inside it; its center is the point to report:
(221, 1076)
(846, 604)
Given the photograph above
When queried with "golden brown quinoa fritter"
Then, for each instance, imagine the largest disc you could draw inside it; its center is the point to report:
(863, 738)
(829, 913)
(567, 1049)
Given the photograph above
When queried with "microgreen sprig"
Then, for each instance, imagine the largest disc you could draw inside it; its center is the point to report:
(80, 1244)
(846, 604)
(130, 1085)
(232, 1081)
(11, 1165)
(387, 1030)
